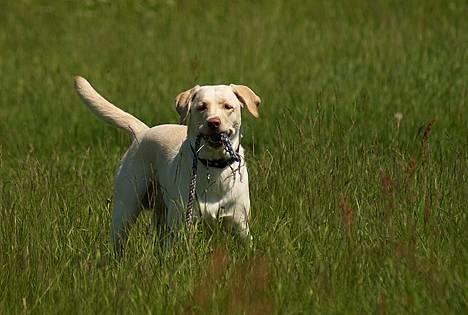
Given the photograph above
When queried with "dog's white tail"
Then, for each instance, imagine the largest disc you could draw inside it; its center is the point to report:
(106, 110)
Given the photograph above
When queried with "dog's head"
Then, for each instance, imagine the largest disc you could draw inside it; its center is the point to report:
(215, 109)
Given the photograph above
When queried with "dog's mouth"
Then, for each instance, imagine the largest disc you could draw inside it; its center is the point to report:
(216, 140)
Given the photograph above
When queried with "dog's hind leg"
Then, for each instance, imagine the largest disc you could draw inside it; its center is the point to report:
(131, 185)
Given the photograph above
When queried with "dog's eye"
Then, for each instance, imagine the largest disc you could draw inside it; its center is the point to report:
(202, 107)
(228, 106)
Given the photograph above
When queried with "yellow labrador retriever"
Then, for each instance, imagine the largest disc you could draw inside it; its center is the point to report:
(158, 164)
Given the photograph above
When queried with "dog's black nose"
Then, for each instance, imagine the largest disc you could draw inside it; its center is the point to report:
(214, 122)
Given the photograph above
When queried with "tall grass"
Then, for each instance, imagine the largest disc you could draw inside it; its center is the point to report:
(354, 209)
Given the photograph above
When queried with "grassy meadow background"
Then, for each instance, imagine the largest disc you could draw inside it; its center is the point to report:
(353, 211)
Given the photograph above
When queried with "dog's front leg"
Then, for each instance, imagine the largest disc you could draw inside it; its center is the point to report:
(237, 223)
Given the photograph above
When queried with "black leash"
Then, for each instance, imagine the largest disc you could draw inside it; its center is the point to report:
(221, 163)
(193, 183)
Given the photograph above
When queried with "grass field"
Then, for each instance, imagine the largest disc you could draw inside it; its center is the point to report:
(353, 210)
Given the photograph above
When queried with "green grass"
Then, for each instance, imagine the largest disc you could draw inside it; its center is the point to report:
(350, 214)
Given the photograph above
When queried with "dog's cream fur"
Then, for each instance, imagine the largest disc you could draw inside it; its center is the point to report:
(159, 160)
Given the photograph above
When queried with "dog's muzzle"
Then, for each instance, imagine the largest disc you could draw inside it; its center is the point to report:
(216, 140)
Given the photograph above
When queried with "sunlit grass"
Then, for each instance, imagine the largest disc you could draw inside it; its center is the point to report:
(355, 209)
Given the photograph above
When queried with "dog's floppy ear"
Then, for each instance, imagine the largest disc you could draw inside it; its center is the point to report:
(183, 102)
(247, 97)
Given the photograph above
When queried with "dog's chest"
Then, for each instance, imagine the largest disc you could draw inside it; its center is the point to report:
(221, 193)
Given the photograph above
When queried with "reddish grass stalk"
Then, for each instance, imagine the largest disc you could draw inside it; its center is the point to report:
(387, 186)
(381, 304)
(427, 211)
(247, 294)
(425, 139)
(217, 264)
(346, 215)
(411, 169)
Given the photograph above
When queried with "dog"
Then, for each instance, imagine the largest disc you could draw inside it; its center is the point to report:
(158, 165)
